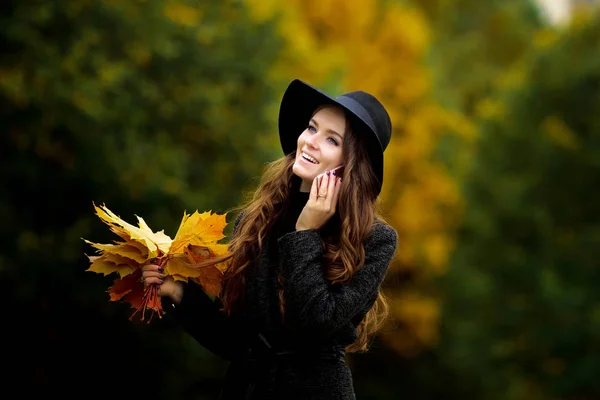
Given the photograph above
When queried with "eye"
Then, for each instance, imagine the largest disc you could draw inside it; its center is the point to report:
(312, 128)
(332, 140)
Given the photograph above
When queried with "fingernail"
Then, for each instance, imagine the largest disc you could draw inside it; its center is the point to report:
(160, 269)
(327, 172)
(335, 173)
(162, 276)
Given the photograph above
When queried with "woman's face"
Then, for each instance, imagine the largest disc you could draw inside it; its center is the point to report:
(320, 145)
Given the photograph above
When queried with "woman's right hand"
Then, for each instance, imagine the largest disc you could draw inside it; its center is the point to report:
(322, 201)
(152, 273)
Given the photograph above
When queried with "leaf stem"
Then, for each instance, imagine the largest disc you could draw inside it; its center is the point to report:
(151, 297)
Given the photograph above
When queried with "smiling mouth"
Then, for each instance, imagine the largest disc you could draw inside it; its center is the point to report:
(309, 158)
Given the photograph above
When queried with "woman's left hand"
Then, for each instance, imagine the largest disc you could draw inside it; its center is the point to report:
(322, 202)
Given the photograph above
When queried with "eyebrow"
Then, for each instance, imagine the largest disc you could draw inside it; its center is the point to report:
(328, 130)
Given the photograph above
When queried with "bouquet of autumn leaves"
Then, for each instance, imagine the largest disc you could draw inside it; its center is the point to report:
(193, 254)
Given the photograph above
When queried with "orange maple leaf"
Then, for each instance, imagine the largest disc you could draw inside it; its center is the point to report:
(130, 290)
(195, 264)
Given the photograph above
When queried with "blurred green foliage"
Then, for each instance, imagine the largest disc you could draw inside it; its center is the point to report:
(151, 107)
(474, 43)
(521, 316)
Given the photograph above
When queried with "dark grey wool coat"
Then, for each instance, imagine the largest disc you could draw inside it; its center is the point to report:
(304, 357)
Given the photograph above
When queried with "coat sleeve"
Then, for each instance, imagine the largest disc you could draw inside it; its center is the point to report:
(201, 318)
(312, 302)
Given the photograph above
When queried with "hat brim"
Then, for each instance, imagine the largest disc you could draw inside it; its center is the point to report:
(298, 104)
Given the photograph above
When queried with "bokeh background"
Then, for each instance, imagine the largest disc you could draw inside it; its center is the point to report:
(153, 107)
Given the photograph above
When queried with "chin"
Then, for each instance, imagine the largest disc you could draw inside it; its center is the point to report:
(302, 173)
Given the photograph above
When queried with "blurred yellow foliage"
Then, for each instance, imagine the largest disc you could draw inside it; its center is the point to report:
(514, 76)
(378, 47)
(489, 108)
(557, 131)
(182, 14)
(418, 316)
(545, 38)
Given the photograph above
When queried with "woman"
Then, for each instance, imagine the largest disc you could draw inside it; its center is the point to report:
(308, 256)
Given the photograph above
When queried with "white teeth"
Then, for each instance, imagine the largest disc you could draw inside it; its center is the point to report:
(309, 158)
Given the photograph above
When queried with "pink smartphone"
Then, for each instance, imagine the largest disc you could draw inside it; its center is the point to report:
(339, 171)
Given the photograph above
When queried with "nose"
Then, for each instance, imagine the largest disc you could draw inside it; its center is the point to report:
(311, 141)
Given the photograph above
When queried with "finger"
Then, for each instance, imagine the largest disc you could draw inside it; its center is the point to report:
(152, 274)
(332, 182)
(151, 280)
(314, 189)
(152, 267)
(152, 271)
(330, 188)
(323, 191)
(318, 179)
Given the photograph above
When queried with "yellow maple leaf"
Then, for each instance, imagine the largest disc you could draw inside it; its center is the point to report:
(108, 263)
(130, 249)
(157, 243)
(198, 229)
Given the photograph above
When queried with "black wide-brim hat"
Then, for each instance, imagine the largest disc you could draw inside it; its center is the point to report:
(367, 115)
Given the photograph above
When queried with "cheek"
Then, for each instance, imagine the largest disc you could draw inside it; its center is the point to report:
(301, 139)
(337, 156)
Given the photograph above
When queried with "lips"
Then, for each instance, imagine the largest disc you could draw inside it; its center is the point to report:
(309, 158)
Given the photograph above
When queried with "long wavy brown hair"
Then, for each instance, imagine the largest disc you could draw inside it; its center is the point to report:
(342, 236)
